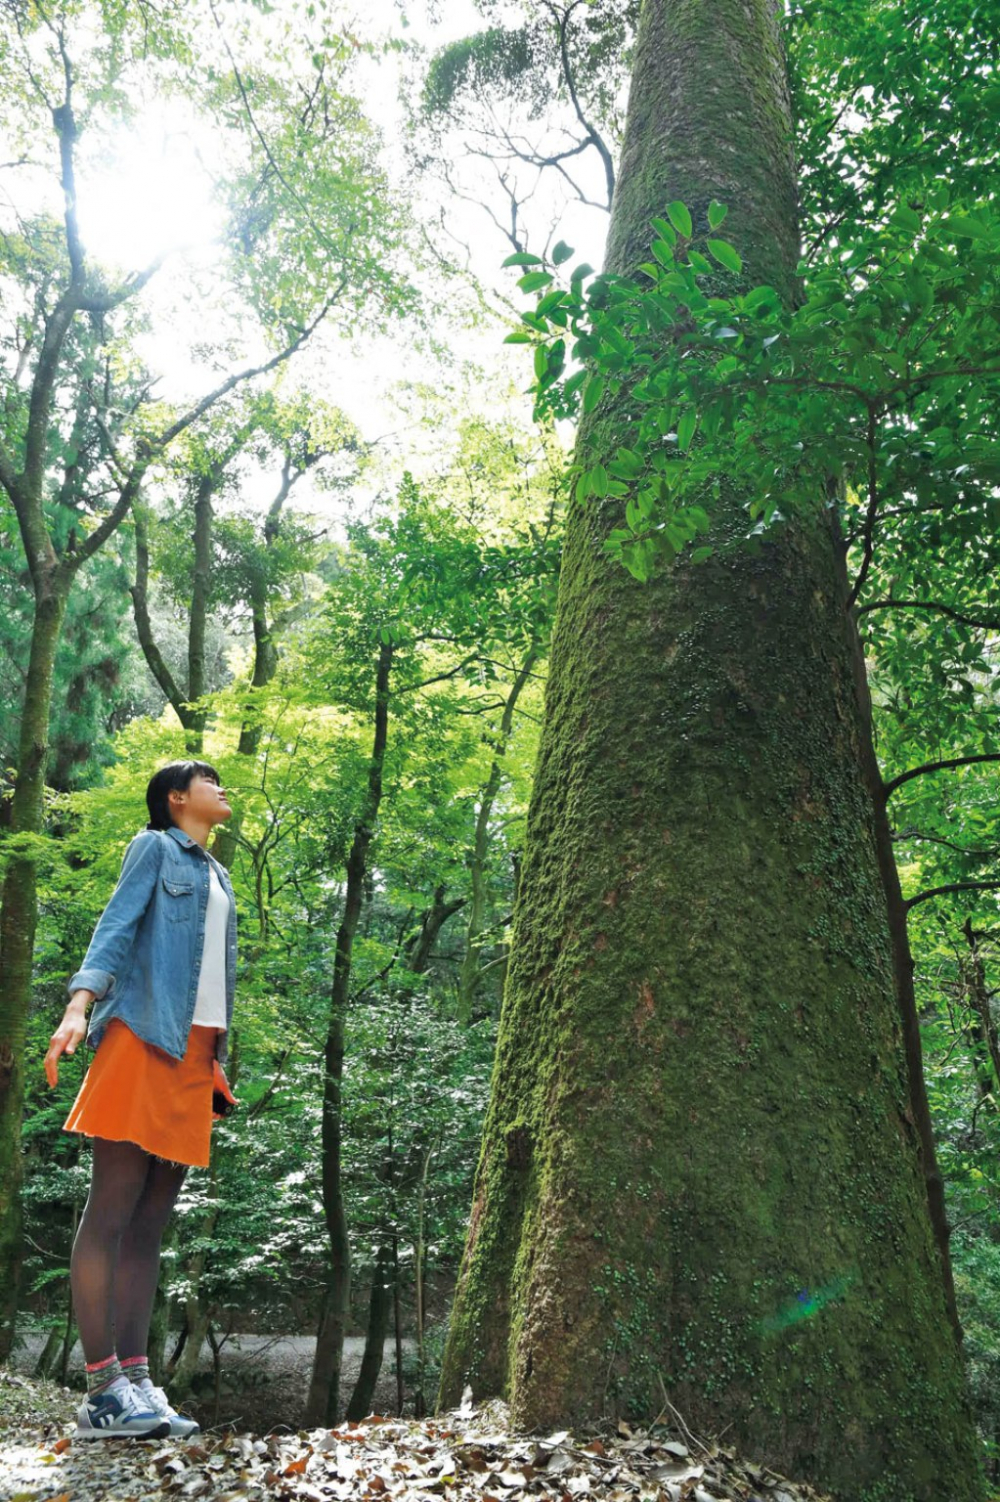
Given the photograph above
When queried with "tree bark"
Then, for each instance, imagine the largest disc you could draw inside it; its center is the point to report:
(324, 1387)
(699, 1167)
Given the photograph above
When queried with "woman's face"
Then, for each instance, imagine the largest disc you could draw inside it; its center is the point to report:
(202, 800)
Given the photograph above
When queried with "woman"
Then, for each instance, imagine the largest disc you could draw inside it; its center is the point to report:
(161, 968)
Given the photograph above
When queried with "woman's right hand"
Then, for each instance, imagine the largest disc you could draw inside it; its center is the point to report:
(69, 1034)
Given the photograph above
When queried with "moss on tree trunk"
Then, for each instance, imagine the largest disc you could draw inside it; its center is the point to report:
(699, 1171)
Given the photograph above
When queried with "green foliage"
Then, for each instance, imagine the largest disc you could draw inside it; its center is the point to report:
(881, 363)
(488, 59)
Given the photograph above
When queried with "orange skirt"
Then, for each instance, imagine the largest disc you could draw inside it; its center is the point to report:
(134, 1092)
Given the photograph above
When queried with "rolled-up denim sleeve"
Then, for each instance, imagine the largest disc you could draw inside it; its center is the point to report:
(115, 931)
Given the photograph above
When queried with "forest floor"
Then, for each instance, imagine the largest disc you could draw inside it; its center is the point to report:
(264, 1378)
(469, 1455)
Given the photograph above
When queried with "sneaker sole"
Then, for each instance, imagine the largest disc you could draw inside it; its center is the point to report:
(158, 1431)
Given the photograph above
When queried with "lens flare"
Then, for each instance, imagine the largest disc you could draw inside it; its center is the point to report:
(806, 1304)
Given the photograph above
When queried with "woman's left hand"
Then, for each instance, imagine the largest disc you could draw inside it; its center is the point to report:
(67, 1037)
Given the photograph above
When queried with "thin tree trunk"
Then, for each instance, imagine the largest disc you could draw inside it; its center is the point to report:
(699, 1165)
(197, 1314)
(144, 626)
(421, 947)
(469, 975)
(419, 1396)
(17, 933)
(397, 1324)
(265, 665)
(201, 583)
(324, 1387)
(917, 1118)
(47, 1356)
(379, 1306)
(980, 1002)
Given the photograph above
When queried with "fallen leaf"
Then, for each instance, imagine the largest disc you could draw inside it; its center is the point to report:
(62, 1444)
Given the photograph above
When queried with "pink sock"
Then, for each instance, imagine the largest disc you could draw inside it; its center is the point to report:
(101, 1374)
(136, 1368)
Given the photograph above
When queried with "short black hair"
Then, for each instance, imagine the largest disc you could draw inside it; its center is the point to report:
(176, 775)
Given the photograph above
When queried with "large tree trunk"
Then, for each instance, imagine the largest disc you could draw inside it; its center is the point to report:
(17, 934)
(698, 1168)
(324, 1386)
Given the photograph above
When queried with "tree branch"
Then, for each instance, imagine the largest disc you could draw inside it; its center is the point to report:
(65, 124)
(439, 677)
(953, 886)
(937, 766)
(562, 23)
(900, 835)
(933, 605)
(202, 407)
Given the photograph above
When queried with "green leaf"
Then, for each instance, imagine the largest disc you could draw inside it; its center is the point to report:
(663, 253)
(680, 218)
(699, 262)
(561, 252)
(522, 258)
(905, 217)
(666, 230)
(966, 226)
(716, 213)
(549, 302)
(541, 361)
(686, 428)
(593, 392)
(598, 479)
(758, 297)
(629, 461)
(534, 280)
(679, 215)
(726, 255)
(519, 338)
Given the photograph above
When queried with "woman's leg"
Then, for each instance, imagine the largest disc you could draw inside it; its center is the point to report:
(138, 1268)
(118, 1178)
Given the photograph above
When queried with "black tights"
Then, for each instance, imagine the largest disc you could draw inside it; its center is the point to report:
(115, 1264)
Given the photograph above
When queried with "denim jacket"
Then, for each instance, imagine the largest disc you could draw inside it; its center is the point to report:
(143, 961)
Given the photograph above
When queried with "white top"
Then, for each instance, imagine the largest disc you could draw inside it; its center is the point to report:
(210, 1003)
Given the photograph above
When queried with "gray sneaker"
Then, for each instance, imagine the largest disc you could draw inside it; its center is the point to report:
(119, 1412)
(155, 1398)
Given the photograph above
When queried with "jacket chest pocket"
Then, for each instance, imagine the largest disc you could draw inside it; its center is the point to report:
(178, 899)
